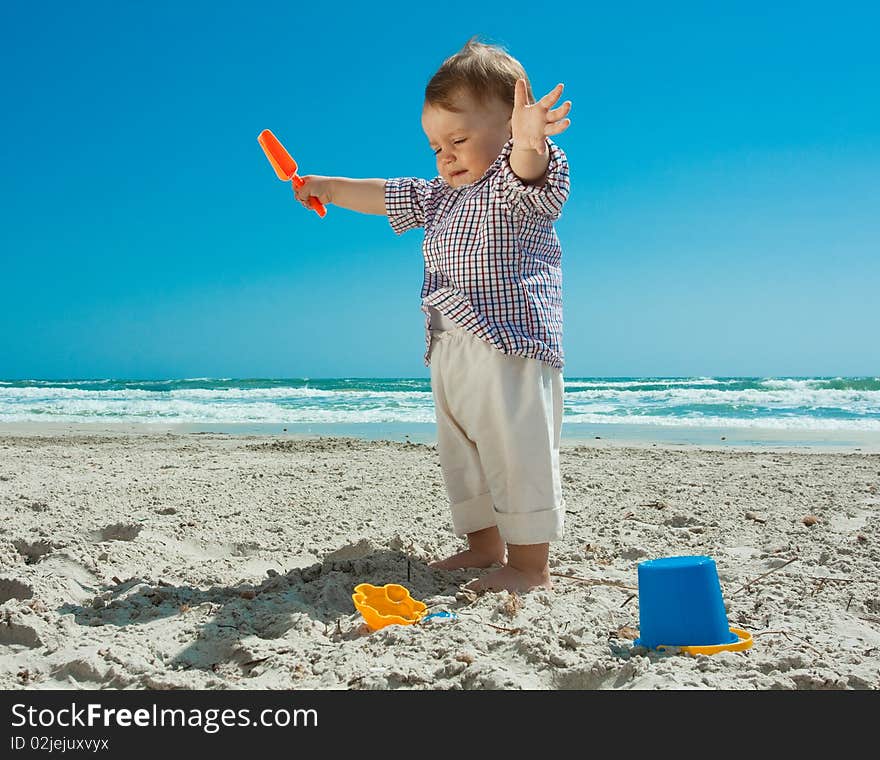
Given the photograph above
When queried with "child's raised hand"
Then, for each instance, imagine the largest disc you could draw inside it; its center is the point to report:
(530, 125)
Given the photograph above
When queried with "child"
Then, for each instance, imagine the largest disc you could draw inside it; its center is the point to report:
(492, 298)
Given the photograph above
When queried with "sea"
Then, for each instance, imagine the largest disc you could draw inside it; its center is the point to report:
(808, 411)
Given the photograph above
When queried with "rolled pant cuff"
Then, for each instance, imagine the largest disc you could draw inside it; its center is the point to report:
(473, 515)
(521, 528)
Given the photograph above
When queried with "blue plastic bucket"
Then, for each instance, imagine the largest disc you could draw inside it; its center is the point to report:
(680, 603)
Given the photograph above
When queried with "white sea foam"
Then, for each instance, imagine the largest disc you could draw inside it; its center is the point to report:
(232, 413)
(777, 423)
(801, 397)
(685, 402)
(204, 394)
(640, 383)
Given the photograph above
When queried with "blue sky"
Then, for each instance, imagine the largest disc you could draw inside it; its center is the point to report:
(724, 217)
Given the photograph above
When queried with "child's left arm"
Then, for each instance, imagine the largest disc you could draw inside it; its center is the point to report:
(530, 125)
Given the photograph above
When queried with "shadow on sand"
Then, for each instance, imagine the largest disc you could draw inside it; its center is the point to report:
(303, 598)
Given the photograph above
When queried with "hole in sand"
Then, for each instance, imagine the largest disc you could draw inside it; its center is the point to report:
(13, 589)
(24, 635)
(32, 551)
(121, 532)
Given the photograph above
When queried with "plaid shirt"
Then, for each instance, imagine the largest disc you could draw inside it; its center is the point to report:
(492, 257)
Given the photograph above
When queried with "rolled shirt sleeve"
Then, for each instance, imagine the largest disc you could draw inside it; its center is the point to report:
(407, 200)
(544, 200)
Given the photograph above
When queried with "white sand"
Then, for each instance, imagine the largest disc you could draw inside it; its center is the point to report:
(205, 561)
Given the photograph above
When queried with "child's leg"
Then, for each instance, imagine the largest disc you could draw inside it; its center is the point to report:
(485, 548)
(519, 441)
(527, 568)
(498, 421)
(469, 497)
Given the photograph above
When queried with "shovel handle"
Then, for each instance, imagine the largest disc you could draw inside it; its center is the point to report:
(314, 201)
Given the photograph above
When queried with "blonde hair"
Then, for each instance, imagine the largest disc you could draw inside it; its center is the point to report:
(484, 70)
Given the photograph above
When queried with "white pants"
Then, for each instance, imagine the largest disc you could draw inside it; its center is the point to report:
(499, 419)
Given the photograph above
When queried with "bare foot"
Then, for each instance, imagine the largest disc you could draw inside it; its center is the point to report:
(468, 558)
(510, 578)
(485, 548)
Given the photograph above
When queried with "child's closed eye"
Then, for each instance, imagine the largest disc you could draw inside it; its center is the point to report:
(454, 142)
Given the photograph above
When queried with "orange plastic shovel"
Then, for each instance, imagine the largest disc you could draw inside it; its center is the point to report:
(285, 166)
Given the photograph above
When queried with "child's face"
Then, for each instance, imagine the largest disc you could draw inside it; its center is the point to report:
(466, 142)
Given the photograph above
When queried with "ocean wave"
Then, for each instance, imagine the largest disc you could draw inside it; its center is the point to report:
(204, 395)
(818, 403)
(250, 414)
(659, 382)
(775, 423)
(848, 400)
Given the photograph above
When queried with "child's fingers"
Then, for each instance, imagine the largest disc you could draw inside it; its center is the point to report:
(303, 199)
(559, 126)
(551, 97)
(302, 192)
(520, 94)
(557, 113)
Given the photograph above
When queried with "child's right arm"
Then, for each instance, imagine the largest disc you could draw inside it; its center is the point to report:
(364, 195)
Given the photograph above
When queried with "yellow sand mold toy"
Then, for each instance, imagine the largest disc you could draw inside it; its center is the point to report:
(390, 604)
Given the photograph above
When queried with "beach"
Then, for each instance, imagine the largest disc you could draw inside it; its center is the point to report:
(136, 557)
